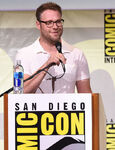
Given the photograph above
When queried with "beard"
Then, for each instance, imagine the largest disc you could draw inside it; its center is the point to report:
(52, 36)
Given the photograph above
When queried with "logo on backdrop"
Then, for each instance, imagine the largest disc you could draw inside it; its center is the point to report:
(110, 129)
(109, 36)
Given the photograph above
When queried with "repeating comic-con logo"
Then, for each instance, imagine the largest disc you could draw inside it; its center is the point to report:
(109, 36)
(110, 141)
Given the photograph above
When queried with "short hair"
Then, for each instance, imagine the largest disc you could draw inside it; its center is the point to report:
(46, 6)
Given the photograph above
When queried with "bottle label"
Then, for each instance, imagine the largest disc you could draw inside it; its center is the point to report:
(17, 82)
(18, 76)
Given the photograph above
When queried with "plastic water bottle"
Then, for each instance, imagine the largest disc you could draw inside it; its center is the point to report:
(18, 78)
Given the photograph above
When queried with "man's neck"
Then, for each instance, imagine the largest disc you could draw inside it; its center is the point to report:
(48, 46)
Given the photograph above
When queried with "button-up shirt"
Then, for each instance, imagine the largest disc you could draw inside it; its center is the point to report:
(34, 56)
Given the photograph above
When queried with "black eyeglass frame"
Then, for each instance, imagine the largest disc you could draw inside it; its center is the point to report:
(50, 23)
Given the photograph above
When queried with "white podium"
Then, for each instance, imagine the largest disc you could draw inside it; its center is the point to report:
(54, 122)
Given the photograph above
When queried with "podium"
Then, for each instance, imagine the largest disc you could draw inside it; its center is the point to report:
(54, 121)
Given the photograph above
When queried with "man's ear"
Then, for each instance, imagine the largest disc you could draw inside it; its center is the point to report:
(38, 24)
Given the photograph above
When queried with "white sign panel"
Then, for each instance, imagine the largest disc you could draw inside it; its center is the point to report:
(49, 121)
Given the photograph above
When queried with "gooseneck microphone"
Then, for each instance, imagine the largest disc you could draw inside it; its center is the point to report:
(59, 48)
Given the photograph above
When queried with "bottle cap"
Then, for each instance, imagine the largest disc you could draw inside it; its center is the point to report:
(18, 62)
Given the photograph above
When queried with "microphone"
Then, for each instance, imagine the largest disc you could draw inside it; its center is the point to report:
(59, 48)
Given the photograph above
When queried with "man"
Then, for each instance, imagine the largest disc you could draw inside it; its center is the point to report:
(43, 52)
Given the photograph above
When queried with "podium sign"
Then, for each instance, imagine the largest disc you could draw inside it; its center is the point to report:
(49, 121)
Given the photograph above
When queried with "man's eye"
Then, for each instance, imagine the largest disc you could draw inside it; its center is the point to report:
(58, 21)
(49, 22)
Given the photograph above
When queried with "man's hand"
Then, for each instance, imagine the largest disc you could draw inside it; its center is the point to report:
(56, 57)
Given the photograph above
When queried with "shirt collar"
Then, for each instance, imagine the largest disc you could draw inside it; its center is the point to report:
(39, 49)
(66, 48)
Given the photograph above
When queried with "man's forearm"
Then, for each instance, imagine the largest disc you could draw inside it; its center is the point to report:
(33, 84)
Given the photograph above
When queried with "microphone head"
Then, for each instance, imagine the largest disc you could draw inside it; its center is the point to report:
(59, 47)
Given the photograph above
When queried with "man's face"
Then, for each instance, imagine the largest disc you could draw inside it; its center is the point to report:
(53, 33)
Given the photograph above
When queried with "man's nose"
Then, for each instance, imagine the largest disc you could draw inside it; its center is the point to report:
(55, 25)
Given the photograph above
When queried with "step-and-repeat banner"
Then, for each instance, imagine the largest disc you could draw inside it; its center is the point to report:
(92, 31)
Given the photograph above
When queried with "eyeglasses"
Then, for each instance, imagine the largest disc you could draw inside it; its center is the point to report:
(50, 23)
